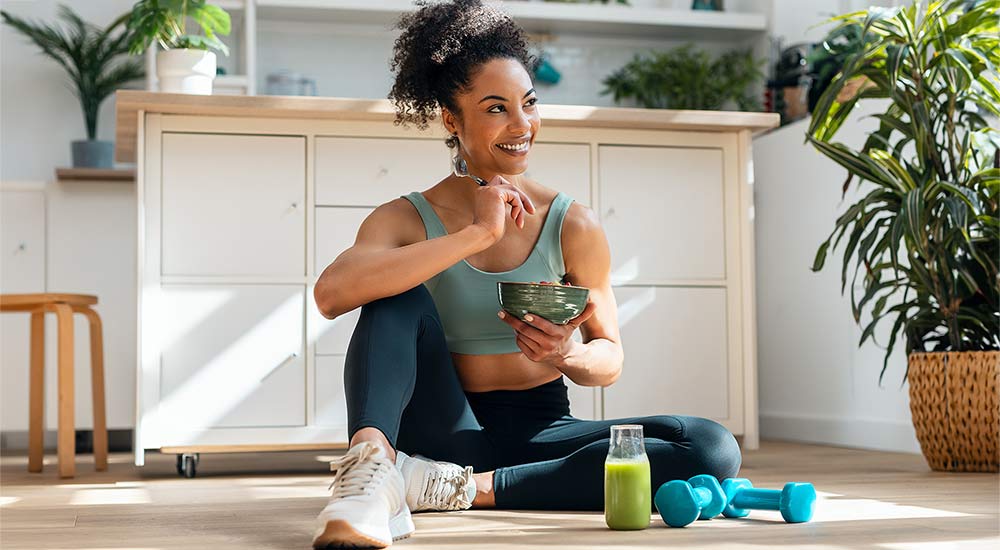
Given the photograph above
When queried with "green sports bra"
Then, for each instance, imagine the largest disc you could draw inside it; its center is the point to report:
(466, 297)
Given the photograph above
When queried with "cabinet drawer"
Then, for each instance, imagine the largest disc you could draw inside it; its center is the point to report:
(336, 229)
(373, 171)
(675, 353)
(331, 404)
(233, 205)
(232, 356)
(562, 166)
(663, 211)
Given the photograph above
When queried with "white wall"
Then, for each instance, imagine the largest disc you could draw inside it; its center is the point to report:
(815, 383)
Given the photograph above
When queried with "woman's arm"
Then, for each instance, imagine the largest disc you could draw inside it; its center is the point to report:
(598, 361)
(381, 263)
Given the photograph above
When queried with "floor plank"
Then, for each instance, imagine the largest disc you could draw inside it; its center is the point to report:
(868, 499)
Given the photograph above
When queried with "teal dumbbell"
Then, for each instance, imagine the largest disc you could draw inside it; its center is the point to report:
(796, 501)
(681, 502)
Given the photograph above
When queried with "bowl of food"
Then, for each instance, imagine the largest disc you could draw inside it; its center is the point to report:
(555, 302)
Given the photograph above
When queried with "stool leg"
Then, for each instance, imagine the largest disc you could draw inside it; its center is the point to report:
(67, 428)
(97, 390)
(36, 392)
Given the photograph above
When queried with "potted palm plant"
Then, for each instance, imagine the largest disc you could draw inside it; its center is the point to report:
(185, 65)
(923, 238)
(92, 57)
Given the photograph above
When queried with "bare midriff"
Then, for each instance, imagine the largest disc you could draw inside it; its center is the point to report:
(509, 371)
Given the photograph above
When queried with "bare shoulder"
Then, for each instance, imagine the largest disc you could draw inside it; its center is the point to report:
(396, 222)
(585, 247)
(581, 223)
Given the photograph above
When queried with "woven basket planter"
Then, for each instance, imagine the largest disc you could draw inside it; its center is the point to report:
(956, 409)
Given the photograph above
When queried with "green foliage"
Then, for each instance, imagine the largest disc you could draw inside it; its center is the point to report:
(90, 56)
(165, 22)
(687, 78)
(923, 239)
(827, 58)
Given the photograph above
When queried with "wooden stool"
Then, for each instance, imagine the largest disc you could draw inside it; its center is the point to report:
(63, 305)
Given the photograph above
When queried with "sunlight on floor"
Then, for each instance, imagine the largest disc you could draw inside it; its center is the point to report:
(89, 497)
(993, 542)
(7, 501)
(832, 507)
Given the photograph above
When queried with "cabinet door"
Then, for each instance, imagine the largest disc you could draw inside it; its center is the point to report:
(336, 229)
(22, 270)
(233, 205)
(331, 403)
(372, 171)
(562, 166)
(232, 356)
(662, 209)
(675, 353)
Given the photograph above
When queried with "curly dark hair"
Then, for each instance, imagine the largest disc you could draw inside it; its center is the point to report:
(441, 48)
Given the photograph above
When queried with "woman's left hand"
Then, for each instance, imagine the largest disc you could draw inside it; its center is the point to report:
(543, 341)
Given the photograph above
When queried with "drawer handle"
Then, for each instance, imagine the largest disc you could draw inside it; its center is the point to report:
(382, 171)
(609, 213)
(293, 355)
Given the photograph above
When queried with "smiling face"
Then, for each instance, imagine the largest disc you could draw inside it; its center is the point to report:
(498, 119)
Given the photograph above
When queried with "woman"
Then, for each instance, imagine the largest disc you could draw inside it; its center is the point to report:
(433, 368)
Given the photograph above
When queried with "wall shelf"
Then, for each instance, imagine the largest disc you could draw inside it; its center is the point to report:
(599, 19)
(95, 174)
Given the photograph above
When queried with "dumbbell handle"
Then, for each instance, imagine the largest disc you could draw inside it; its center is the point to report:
(757, 499)
(702, 496)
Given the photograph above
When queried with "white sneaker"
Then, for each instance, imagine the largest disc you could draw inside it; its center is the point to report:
(368, 506)
(433, 485)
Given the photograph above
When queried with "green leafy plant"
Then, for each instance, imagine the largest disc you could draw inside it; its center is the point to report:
(90, 55)
(923, 236)
(829, 56)
(687, 78)
(165, 22)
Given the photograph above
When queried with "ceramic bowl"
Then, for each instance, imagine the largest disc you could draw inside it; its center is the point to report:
(555, 303)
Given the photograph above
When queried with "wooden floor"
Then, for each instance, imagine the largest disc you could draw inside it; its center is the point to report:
(867, 500)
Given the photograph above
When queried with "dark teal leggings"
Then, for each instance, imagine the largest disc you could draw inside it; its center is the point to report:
(399, 378)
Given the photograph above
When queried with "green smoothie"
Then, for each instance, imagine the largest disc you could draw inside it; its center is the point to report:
(627, 495)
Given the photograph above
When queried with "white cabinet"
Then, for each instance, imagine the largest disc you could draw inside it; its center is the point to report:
(233, 205)
(676, 360)
(232, 356)
(358, 171)
(663, 213)
(331, 403)
(239, 215)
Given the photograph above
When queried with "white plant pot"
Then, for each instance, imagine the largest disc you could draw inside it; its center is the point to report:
(185, 71)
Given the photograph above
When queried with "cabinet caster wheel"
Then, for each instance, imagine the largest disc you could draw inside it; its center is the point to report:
(187, 465)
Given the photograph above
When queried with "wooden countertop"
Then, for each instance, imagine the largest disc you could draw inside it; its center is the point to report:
(130, 102)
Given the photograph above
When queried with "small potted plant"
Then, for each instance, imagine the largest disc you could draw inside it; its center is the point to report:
(923, 238)
(92, 57)
(185, 65)
(687, 78)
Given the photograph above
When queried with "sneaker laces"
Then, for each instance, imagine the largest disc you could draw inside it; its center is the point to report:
(355, 472)
(446, 489)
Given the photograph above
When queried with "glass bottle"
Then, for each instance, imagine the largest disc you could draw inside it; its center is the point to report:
(627, 495)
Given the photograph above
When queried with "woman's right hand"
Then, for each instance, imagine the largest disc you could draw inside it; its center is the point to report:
(491, 205)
